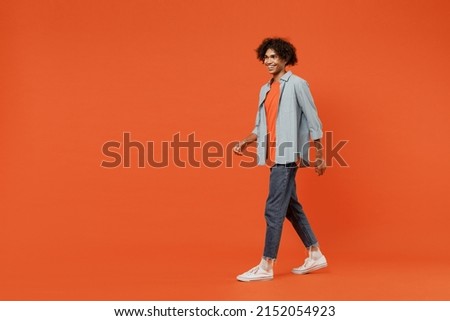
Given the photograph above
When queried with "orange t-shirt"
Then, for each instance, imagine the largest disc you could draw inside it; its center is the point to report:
(271, 107)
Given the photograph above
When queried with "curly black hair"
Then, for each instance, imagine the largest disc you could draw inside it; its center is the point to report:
(282, 47)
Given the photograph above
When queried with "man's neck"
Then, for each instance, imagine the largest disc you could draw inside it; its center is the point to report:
(278, 76)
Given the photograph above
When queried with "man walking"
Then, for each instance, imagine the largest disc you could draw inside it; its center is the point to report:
(286, 121)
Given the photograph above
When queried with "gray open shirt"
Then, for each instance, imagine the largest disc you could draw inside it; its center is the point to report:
(297, 122)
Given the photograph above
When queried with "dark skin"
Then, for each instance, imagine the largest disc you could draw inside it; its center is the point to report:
(277, 67)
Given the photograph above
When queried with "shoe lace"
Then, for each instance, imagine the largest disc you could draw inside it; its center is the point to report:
(307, 262)
(254, 270)
(308, 258)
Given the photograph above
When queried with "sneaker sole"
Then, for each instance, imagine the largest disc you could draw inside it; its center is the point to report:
(315, 268)
(268, 278)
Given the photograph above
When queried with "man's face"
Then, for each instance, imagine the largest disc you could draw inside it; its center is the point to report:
(274, 63)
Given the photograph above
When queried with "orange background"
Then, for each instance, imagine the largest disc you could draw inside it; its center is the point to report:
(75, 74)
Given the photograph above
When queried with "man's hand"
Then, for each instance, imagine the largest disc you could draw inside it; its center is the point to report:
(319, 163)
(320, 166)
(239, 147)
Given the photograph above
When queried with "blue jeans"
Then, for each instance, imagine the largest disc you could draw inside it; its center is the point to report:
(282, 203)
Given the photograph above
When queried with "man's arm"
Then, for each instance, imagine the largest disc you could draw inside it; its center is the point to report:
(309, 109)
(241, 145)
(314, 124)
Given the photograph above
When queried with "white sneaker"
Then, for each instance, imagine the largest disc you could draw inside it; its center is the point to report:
(256, 274)
(311, 264)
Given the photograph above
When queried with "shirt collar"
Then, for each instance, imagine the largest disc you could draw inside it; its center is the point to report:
(285, 77)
